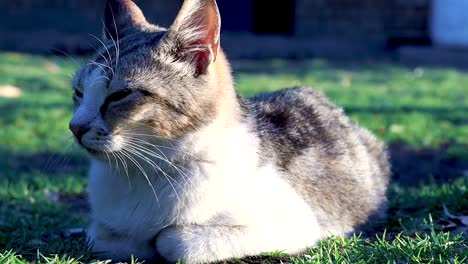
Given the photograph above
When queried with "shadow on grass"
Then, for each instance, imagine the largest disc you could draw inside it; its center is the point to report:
(413, 167)
(269, 66)
(455, 115)
(410, 166)
(49, 163)
(29, 223)
(42, 194)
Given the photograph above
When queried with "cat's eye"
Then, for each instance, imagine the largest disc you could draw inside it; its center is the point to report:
(78, 93)
(117, 96)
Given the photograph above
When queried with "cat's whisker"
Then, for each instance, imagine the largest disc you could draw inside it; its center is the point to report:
(62, 158)
(116, 43)
(100, 54)
(103, 44)
(124, 164)
(98, 65)
(137, 152)
(178, 168)
(137, 142)
(102, 66)
(157, 147)
(110, 162)
(161, 156)
(112, 39)
(103, 77)
(137, 164)
(151, 153)
(66, 140)
(117, 158)
(69, 56)
(68, 75)
(97, 82)
(136, 137)
(148, 151)
(53, 160)
(117, 168)
(151, 136)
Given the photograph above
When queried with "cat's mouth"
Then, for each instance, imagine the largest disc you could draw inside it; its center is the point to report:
(102, 147)
(95, 152)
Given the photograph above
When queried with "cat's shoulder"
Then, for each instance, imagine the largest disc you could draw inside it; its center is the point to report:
(291, 93)
(295, 101)
(297, 108)
(290, 121)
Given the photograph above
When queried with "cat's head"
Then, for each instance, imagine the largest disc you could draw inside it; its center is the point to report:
(148, 80)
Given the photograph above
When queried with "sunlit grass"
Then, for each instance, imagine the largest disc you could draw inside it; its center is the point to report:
(43, 192)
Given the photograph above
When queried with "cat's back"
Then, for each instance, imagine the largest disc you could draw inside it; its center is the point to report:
(292, 121)
(340, 169)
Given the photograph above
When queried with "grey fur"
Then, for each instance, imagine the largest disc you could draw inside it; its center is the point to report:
(340, 170)
(148, 64)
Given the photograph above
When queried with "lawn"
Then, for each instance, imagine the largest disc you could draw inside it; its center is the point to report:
(421, 113)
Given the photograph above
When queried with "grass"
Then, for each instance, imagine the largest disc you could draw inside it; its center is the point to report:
(419, 112)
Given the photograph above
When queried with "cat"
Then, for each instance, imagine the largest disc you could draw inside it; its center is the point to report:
(182, 168)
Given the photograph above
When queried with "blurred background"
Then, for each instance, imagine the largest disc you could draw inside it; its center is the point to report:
(404, 30)
(397, 67)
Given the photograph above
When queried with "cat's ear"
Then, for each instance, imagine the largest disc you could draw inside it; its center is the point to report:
(195, 34)
(121, 15)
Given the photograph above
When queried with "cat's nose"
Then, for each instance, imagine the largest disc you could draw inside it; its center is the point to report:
(79, 130)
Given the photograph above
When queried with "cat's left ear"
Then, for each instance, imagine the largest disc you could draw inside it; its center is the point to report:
(120, 16)
(195, 34)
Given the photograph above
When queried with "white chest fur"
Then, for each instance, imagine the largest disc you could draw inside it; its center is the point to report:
(229, 184)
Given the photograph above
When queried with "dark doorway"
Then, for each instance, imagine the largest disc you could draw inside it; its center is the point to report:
(236, 15)
(273, 16)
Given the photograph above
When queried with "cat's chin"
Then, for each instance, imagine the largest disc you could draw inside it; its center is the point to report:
(99, 151)
(96, 153)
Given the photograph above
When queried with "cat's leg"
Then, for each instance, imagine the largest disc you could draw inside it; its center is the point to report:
(209, 243)
(200, 244)
(109, 244)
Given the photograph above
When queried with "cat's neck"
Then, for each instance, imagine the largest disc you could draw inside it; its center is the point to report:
(228, 108)
(229, 122)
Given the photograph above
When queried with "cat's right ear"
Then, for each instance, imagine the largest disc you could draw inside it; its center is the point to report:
(120, 16)
(195, 34)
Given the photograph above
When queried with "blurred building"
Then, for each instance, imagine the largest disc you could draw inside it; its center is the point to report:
(251, 28)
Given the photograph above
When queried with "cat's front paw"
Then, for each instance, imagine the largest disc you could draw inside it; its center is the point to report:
(169, 245)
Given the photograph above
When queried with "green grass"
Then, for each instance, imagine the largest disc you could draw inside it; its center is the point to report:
(421, 107)
(420, 112)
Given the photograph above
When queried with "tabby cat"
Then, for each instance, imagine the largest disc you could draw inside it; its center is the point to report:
(182, 168)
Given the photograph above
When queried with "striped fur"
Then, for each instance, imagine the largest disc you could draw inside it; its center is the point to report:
(184, 168)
